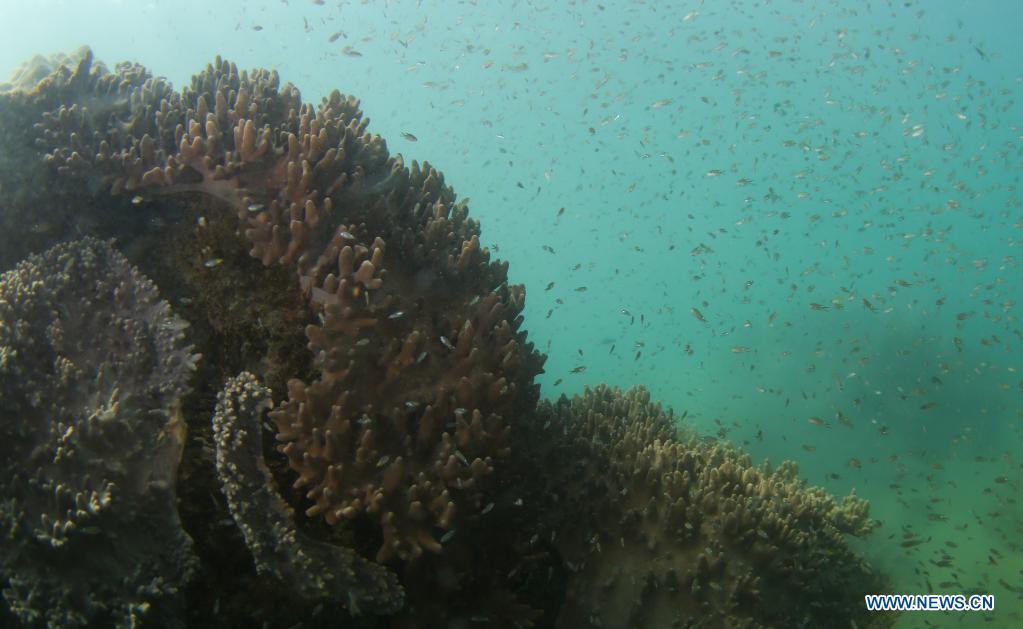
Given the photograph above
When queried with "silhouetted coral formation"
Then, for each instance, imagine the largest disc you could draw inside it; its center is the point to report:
(417, 472)
(92, 369)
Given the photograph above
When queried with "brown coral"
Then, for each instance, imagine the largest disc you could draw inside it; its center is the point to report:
(29, 74)
(422, 365)
(659, 529)
(421, 358)
(407, 421)
(314, 570)
(92, 368)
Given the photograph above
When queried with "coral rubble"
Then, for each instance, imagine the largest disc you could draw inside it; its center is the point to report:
(92, 368)
(415, 481)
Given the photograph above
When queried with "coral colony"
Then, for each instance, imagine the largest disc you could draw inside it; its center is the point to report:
(365, 442)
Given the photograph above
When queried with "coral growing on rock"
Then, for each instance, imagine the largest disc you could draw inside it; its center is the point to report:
(92, 368)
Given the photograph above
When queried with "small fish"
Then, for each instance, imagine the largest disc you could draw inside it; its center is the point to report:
(212, 262)
(699, 315)
(843, 420)
(257, 28)
(351, 52)
(335, 36)
(135, 200)
(550, 286)
(661, 103)
(817, 421)
(408, 136)
(256, 207)
(581, 289)
(579, 369)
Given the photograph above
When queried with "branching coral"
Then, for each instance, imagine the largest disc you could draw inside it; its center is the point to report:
(92, 368)
(422, 363)
(314, 570)
(660, 528)
(39, 68)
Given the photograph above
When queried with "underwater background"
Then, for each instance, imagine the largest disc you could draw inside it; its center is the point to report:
(796, 223)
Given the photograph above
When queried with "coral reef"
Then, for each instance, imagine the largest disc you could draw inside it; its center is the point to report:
(414, 481)
(661, 529)
(420, 358)
(92, 368)
(315, 570)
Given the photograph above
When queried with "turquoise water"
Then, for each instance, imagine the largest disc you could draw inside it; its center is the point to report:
(832, 186)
